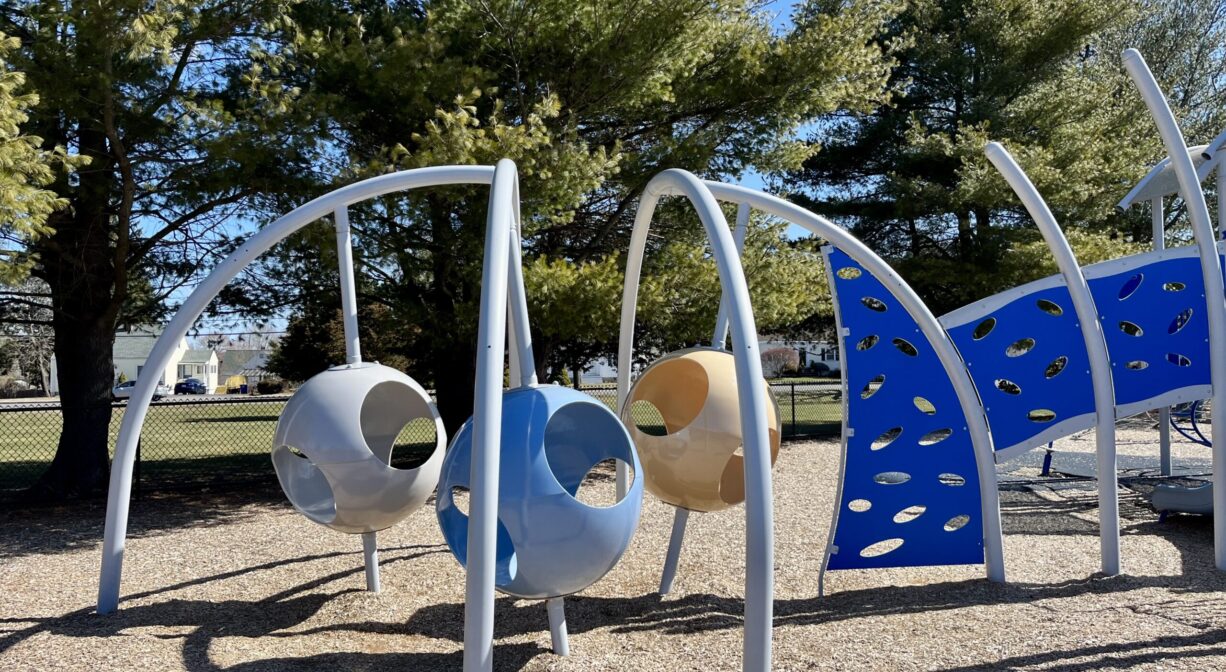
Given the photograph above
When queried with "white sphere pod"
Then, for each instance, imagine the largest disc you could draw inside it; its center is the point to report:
(334, 442)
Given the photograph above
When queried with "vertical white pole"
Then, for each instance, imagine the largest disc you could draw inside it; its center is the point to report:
(680, 518)
(1096, 350)
(1221, 193)
(370, 552)
(349, 296)
(718, 340)
(487, 426)
(1211, 271)
(523, 366)
(1158, 218)
(353, 355)
(556, 609)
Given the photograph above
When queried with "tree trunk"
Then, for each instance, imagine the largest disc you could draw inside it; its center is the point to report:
(85, 371)
(454, 383)
(79, 268)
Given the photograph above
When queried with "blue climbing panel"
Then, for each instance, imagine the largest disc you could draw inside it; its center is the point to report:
(910, 491)
(1027, 357)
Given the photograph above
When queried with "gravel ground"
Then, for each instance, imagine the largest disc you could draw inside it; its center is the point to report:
(223, 582)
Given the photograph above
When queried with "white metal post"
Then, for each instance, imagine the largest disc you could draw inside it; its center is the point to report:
(1157, 216)
(353, 355)
(718, 340)
(1096, 349)
(759, 515)
(487, 425)
(1221, 193)
(523, 365)
(951, 361)
(120, 489)
(1211, 271)
(557, 625)
(349, 295)
(673, 556)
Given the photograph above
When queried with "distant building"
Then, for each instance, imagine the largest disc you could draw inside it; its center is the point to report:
(202, 365)
(250, 365)
(812, 354)
(132, 349)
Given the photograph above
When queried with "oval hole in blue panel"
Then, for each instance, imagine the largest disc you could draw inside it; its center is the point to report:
(924, 406)
(953, 480)
(873, 304)
(880, 548)
(1131, 328)
(867, 342)
(957, 523)
(1178, 359)
(904, 346)
(910, 513)
(1050, 307)
(892, 478)
(1181, 320)
(1130, 286)
(1008, 386)
(1020, 347)
(887, 437)
(1041, 415)
(871, 387)
(848, 273)
(984, 328)
(936, 436)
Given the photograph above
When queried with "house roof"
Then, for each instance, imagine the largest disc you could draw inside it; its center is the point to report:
(135, 344)
(197, 357)
(235, 361)
(255, 365)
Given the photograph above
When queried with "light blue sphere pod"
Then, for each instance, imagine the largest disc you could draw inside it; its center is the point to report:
(549, 543)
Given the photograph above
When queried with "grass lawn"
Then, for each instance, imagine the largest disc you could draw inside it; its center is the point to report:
(231, 440)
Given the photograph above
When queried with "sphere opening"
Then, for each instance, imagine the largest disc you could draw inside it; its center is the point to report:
(304, 484)
(677, 387)
(579, 438)
(391, 410)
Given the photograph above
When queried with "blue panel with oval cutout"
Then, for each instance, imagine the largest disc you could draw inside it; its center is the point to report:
(1031, 368)
(896, 387)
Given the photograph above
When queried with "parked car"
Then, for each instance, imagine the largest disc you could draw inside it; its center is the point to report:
(124, 391)
(190, 386)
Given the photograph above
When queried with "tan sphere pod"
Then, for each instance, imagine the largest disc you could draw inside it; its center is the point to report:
(697, 465)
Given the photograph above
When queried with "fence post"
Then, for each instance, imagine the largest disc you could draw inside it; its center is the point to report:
(794, 432)
(136, 490)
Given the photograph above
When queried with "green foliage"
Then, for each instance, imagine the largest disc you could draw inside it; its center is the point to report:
(1044, 79)
(590, 99)
(26, 169)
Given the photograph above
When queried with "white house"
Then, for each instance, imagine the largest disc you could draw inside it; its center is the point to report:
(201, 365)
(132, 348)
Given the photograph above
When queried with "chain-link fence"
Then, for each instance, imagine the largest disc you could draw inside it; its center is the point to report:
(190, 442)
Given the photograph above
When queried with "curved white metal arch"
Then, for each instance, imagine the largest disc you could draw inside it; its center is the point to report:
(951, 361)
(759, 516)
(1211, 270)
(120, 489)
(1096, 350)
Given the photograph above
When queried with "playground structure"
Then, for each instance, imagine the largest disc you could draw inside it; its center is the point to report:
(931, 405)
